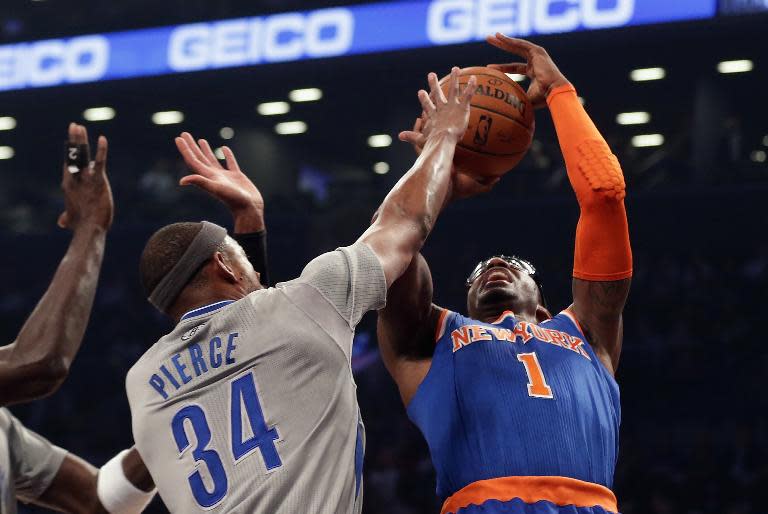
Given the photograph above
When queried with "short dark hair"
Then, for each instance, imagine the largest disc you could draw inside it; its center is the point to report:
(164, 250)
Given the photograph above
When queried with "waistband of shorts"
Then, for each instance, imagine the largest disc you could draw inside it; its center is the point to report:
(558, 490)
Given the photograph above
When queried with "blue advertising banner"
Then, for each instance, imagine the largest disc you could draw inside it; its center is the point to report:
(317, 34)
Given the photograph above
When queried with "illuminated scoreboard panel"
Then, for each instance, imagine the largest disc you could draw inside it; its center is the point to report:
(316, 34)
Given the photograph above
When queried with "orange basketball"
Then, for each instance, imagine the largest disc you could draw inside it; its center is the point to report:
(500, 127)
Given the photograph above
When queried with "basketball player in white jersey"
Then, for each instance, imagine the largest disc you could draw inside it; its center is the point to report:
(248, 405)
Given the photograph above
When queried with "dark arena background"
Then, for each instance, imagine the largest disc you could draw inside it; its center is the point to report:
(691, 136)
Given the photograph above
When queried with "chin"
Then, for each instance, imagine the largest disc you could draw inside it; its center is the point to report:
(497, 295)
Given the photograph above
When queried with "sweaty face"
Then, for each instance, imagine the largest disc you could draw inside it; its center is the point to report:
(501, 287)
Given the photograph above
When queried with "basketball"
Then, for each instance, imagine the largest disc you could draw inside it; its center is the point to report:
(501, 124)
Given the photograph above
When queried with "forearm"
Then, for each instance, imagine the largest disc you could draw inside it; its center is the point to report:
(602, 251)
(122, 486)
(420, 195)
(249, 220)
(54, 331)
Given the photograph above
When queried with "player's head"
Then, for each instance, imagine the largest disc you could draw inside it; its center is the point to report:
(184, 264)
(503, 283)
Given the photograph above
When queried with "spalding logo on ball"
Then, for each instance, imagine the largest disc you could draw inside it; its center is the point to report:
(500, 127)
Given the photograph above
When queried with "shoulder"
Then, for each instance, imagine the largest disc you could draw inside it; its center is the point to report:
(447, 321)
(445, 318)
(565, 321)
(138, 370)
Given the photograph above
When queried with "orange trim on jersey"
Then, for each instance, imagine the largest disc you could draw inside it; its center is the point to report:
(503, 315)
(558, 490)
(440, 329)
(572, 317)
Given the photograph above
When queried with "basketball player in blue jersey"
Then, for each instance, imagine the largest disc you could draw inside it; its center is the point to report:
(520, 409)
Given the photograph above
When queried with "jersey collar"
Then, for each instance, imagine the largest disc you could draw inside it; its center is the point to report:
(206, 309)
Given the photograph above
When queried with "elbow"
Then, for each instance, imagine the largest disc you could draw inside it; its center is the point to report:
(47, 375)
(597, 177)
(603, 200)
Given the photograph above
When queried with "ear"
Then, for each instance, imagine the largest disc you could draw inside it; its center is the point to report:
(223, 268)
(542, 314)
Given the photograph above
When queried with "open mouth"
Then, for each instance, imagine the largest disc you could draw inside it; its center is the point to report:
(497, 276)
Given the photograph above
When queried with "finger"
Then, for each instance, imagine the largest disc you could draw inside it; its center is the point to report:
(512, 45)
(417, 125)
(72, 133)
(426, 103)
(520, 68)
(408, 136)
(469, 91)
(190, 157)
(82, 139)
(193, 147)
(208, 153)
(436, 90)
(100, 164)
(199, 181)
(63, 221)
(229, 156)
(416, 139)
(453, 85)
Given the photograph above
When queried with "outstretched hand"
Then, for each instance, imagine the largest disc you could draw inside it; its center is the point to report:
(87, 194)
(464, 185)
(538, 66)
(227, 184)
(440, 114)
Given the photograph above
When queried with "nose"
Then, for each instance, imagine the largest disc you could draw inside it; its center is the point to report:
(497, 262)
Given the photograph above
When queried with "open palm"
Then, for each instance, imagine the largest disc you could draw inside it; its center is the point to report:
(227, 184)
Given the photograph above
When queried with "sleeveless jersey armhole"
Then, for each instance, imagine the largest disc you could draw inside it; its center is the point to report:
(442, 322)
(572, 317)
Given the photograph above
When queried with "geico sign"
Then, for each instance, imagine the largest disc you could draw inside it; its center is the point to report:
(455, 21)
(283, 37)
(54, 61)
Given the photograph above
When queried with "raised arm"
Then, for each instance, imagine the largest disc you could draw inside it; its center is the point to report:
(602, 266)
(406, 328)
(231, 186)
(409, 211)
(38, 361)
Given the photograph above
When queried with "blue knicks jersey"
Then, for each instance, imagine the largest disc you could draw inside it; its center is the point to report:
(516, 399)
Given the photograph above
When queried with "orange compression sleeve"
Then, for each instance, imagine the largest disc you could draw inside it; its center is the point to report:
(602, 252)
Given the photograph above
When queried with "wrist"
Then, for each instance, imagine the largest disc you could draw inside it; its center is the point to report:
(89, 229)
(559, 87)
(445, 135)
(250, 219)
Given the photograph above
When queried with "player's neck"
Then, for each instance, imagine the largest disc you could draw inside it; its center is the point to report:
(192, 298)
(492, 316)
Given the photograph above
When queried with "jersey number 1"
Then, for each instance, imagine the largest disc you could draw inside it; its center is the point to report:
(243, 394)
(537, 384)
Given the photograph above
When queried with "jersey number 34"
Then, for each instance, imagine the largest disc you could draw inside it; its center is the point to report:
(243, 394)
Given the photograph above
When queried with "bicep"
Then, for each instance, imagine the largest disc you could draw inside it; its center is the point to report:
(406, 327)
(598, 306)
